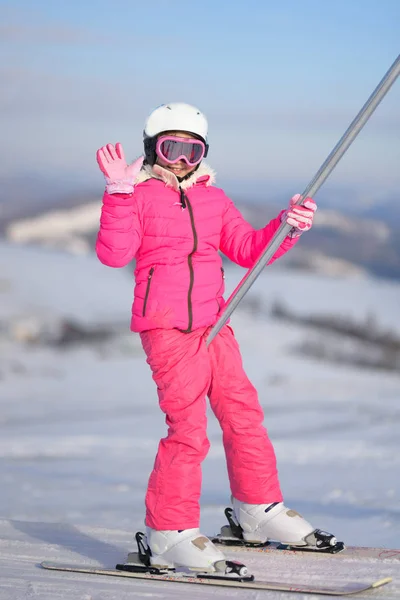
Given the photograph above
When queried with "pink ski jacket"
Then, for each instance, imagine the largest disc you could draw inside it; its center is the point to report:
(175, 231)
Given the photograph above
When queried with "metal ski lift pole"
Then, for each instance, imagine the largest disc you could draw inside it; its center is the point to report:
(326, 168)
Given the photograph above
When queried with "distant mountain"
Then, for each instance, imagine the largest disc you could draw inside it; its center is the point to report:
(369, 242)
(388, 211)
(31, 195)
(44, 213)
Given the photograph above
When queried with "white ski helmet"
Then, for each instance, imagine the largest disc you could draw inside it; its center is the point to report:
(175, 116)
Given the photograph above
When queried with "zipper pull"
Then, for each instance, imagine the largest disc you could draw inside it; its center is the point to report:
(183, 201)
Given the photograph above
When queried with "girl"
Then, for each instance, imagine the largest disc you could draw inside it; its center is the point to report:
(166, 212)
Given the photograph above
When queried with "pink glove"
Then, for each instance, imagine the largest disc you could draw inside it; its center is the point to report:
(119, 176)
(300, 216)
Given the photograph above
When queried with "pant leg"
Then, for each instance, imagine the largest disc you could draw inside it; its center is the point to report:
(249, 452)
(181, 370)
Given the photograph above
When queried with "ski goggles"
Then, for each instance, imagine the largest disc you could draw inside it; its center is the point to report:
(173, 149)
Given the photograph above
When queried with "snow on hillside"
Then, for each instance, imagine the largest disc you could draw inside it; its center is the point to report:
(79, 429)
(61, 223)
(337, 246)
(307, 293)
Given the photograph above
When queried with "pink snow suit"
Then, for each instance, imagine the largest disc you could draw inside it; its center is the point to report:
(175, 232)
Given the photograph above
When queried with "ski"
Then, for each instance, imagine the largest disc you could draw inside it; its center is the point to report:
(346, 589)
(360, 552)
(231, 537)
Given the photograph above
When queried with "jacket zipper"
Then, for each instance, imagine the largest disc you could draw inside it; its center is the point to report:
(149, 276)
(221, 286)
(185, 203)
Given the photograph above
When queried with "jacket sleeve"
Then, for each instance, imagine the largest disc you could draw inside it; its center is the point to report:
(243, 244)
(120, 233)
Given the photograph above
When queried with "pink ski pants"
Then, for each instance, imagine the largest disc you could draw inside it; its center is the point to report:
(186, 371)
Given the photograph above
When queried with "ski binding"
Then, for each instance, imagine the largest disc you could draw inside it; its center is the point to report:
(140, 562)
(318, 541)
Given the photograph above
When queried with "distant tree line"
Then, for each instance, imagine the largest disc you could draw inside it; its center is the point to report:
(336, 338)
(345, 341)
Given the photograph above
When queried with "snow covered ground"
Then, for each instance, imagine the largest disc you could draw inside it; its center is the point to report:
(79, 428)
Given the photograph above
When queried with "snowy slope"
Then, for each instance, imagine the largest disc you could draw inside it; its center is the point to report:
(79, 429)
(23, 545)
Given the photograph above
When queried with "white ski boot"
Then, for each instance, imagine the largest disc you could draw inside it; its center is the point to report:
(256, 524)
(263, 522)
(184, 553)
(186, 548)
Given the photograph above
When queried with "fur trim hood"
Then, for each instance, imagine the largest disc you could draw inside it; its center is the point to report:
(158, 172)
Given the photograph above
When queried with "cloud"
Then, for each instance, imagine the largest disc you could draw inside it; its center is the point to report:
(57, 34)
(300, 119)
(49, 34)
(31, 93)
(34, 93)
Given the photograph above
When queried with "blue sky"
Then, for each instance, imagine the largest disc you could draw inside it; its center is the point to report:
(279, 82)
